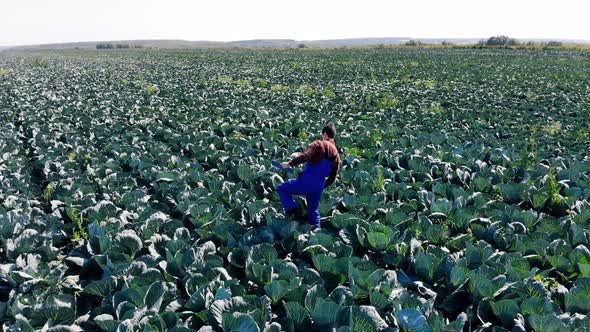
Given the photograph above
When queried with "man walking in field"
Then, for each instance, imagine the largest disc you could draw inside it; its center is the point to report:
(322, 161)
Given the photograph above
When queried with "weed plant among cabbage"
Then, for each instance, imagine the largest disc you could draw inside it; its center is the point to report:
(137, 194)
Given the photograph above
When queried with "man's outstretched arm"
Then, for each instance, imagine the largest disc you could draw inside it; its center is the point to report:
(314, 149)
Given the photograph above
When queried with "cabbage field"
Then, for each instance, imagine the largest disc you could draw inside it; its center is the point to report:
(137, 193)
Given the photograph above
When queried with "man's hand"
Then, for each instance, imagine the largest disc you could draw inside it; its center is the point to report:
(285, 165)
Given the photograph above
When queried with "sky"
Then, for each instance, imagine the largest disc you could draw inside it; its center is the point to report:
(25, 22)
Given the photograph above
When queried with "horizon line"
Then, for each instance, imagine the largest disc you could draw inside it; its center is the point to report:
(290, 39)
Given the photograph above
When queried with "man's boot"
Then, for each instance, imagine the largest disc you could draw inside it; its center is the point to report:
(294, 214)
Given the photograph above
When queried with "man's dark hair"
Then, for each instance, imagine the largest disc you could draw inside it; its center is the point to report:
(330, 130)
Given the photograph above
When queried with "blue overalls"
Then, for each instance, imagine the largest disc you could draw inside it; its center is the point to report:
(311, 185)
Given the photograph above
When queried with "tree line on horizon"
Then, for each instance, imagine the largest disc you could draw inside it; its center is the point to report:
(494, 41)
(110, 46)
(500, 40)
(507, 41)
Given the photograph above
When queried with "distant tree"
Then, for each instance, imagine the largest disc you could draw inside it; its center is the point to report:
(413, 42)
(104, 46)
(301, 45)
(554, 43)
(502, 41)
(109, 46)
(446, 43)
